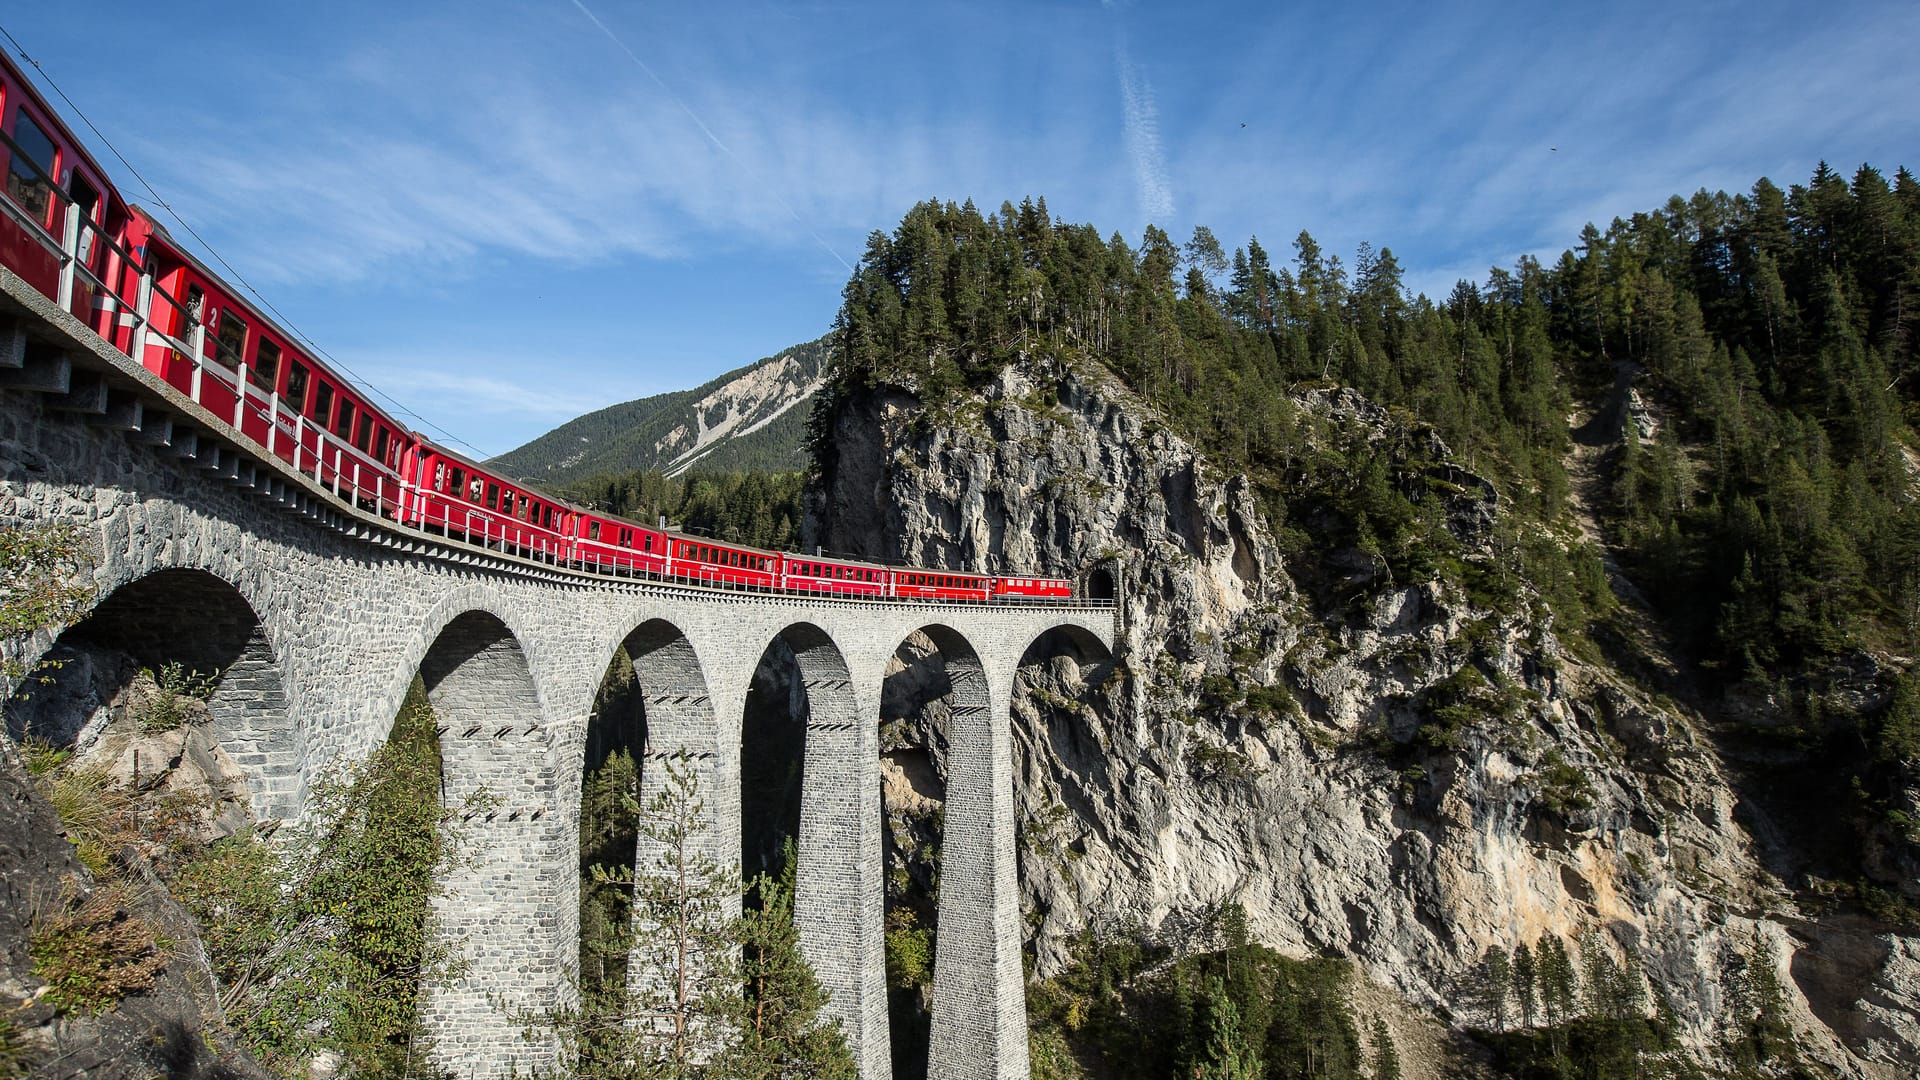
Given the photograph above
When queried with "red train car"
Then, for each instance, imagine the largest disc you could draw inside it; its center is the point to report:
(697, 558)
(213, 346)
(60, 214)
(67, 232)
(1031, 587)
(451, 495)
(838, 578)
(941, 585)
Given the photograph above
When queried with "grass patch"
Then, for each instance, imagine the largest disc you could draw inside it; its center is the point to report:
(91, 951)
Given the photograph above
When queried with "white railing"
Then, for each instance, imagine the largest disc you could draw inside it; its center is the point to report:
(333, 462)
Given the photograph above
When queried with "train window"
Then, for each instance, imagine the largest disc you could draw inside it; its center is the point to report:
(365, 441)
(297, 387)
(493, 497)
(322, 403)
(459, 481)
(88, 200)
(593, 530)
(30, 187)
(266, 366)
(626, 537)
(231, 343)
(343, 423)
(380, 445)
(191, 312)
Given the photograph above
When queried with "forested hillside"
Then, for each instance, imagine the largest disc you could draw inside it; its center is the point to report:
(752, 418)
(1773, 333)
(1686, 449)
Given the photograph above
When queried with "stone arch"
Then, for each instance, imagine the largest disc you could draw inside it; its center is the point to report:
(503, 902)
(837, 883)
(204, 624)
(935, 702)
(659, 708)
(1064, 699)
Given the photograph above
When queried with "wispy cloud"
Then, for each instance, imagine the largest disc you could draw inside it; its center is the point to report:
(1142, 130)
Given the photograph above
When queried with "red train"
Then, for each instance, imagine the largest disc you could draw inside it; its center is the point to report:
(66, 231)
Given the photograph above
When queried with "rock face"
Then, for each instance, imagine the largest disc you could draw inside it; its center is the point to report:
(1404, 778)
(174, 1028)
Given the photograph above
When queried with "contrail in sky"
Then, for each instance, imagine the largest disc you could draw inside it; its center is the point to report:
(1142, 127)
(711, 137)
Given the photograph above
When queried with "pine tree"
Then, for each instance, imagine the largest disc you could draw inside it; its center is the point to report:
(775, 1026)
(1386, 1057)
(1525, 975)
(667, 1018)
(1494, 986)
(1227, 1055)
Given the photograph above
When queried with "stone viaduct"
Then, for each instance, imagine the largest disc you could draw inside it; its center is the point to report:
(322, 616)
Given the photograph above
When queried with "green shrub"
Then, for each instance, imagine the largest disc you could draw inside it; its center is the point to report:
(91, 951)
(165, 709)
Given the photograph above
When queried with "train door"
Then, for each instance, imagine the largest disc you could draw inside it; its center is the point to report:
(90, 252)
(31, 160)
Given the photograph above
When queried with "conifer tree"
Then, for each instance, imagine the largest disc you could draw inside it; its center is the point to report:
(774, 1025)
(1386, 1057)
(1227, 1056)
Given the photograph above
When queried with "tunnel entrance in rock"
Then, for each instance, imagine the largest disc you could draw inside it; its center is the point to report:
(1101, 582)
(173, 673)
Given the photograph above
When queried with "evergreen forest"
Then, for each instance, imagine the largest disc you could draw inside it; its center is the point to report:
(1698, 423)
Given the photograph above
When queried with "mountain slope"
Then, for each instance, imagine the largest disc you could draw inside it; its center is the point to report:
(1415, 673)
(750, 418)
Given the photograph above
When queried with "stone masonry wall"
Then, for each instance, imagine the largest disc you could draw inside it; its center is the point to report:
(512, 655)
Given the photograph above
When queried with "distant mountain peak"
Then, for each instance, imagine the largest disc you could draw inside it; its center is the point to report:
(749, 418)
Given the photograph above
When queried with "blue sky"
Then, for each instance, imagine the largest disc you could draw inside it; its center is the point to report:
(506, 214)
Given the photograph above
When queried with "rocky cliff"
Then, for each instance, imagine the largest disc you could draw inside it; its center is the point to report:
(1406, 776)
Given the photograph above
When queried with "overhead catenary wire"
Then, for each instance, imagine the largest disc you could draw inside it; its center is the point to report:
(238, 277)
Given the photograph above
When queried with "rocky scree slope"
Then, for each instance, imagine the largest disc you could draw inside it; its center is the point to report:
(1407, 778)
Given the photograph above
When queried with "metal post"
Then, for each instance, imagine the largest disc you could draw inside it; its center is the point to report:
(299, 439)
(70, 250)
(273, 420)
(143, 311)
(197, 338)
(240, 400)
